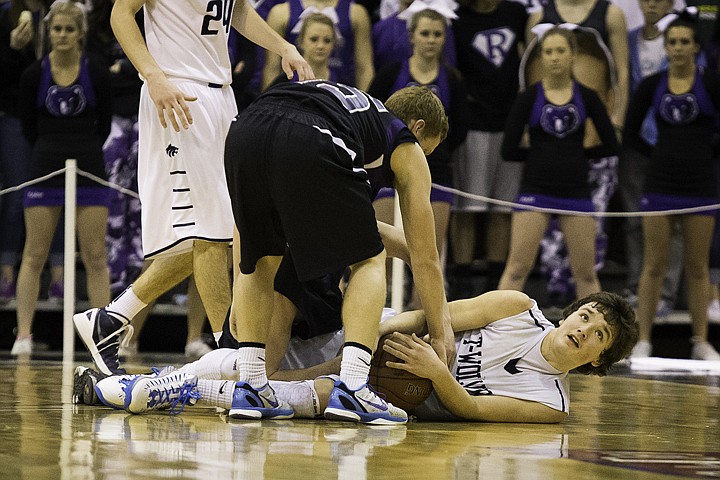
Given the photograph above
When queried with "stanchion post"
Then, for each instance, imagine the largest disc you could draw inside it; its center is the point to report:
(69, 275)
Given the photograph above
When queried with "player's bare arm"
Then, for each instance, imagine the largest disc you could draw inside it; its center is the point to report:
(480, 311)
(418, 358)
(247, 21)
(412, 181)
(170, 102)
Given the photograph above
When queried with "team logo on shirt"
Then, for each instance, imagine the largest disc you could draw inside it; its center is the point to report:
(560, 121)
(679, 109)
(65, 101)
(494, 44)
(171, 150)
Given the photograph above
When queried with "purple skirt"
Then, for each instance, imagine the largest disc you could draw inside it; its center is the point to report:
(559, 203)
(55, 197)
(653, 202)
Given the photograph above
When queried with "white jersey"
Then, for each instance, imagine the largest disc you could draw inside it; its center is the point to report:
(189, 38)
(504, 359)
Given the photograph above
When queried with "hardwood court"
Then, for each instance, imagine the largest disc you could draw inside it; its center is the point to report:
(621, 427)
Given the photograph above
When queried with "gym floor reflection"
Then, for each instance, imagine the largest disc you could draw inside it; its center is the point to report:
(621, 426)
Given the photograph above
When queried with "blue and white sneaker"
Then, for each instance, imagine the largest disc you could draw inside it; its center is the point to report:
(158, 391)
(249, 403)
(112, 390)
(100, 331)
(362, 405)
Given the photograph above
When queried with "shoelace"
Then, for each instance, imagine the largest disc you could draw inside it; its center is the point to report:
(165, 394)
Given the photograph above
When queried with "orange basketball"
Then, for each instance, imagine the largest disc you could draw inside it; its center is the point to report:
(402, 389)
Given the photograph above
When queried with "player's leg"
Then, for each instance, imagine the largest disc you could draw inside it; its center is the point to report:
(210, 267)
(352, 399)
(100, 328)
(251, 310)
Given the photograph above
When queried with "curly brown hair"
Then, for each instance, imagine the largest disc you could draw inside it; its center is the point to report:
(620, 316)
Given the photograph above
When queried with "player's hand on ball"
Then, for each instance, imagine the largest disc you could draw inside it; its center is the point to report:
(418, 357)
(445, 347)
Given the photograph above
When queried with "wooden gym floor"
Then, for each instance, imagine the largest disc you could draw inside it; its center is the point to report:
(624, 426)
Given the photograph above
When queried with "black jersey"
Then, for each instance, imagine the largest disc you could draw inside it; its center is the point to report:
(488, 58)
(360, 121)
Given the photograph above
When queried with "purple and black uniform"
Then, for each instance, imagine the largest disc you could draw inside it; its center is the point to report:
(66, 122)
(683, 169)
(449, 88)
(303, 164)
(556, 167)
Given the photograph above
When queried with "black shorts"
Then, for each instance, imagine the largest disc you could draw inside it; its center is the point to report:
(318, 301)
(291, 185)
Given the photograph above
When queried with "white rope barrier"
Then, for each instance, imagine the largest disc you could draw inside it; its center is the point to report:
(398, 275)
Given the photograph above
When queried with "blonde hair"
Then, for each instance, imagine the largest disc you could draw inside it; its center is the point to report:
(416, 103)
(72, 10)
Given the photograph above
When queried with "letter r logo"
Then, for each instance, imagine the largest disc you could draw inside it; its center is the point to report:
(494, 44)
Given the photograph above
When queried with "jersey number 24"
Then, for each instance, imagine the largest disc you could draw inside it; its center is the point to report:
(217, 11)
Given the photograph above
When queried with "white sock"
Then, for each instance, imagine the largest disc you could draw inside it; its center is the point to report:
(251, 365)
(355, 366)
(127, 304)
(218, 393)
(301, 396)
(216, 365)
(217, 336)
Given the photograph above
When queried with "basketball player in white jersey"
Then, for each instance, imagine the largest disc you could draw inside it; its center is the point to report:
(511, 363)
(186, 108)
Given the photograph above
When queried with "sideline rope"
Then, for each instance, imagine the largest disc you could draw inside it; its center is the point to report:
(460, 193)
(85, 174)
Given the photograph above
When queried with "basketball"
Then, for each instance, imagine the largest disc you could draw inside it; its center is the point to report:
(403, 389)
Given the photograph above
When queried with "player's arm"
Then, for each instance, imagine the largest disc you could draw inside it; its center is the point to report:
(364, 69)
(412, 182)
(466, 314)
(168, 99)
(419, 358)
(394, 240)
(617, 36)
(247, 21)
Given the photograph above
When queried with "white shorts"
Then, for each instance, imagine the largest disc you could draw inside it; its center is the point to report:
(181, 175)
(480, 170)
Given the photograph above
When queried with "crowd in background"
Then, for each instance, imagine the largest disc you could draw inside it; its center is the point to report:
(67, 90)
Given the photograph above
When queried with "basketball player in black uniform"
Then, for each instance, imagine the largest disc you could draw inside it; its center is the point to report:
(302, 174)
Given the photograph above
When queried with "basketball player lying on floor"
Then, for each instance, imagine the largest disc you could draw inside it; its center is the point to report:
(511, 363)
